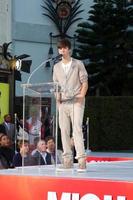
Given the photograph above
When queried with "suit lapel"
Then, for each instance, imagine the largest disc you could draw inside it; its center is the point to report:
(6, 128)
(60, 69)
(71, 69)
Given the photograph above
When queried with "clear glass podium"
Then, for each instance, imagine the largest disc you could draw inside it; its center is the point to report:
(40, 123)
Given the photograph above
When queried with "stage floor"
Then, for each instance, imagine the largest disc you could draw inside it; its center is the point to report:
(109, 176)
(121, 170)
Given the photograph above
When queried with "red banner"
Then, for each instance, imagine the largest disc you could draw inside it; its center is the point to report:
(105, 158)
(51, 188)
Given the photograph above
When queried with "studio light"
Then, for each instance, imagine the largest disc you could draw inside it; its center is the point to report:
(16, 63)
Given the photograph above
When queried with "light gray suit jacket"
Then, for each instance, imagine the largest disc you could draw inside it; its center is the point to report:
(72, 82)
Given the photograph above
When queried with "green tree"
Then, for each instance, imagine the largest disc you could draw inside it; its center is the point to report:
(105, 43)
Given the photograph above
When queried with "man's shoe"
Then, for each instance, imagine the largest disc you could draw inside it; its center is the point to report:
(82, 165)
(67, 165)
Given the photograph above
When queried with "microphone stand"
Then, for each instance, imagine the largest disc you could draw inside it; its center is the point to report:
(44, 62)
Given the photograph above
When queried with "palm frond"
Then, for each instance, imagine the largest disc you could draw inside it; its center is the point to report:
(66, 23)
(52, 17)
(49, 5)
(51, 13)
(50, 8)
(75, 8)
(74, 12)
(67, 26)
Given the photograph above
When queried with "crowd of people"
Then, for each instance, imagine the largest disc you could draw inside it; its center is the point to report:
(22, 153)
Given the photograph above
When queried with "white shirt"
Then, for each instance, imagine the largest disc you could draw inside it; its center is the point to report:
(44, 156)
(66, 67)
(8, 125)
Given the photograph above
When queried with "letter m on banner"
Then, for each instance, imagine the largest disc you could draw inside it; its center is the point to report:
(53, 196)
(75, 196)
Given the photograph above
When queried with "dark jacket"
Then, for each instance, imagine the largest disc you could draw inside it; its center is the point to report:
(39, 159)
(9, 132)
(28, 160)
(7, 154)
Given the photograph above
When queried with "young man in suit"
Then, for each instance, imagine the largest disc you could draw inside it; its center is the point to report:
(72, 77)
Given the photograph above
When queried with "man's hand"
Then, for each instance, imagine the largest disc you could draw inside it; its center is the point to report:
(79, 98)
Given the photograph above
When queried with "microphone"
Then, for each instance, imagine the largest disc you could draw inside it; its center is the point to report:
(57, 58)
(44, 62)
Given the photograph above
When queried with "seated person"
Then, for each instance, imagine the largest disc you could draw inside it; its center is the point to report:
(51, 149)
(41, 155)
(3, 163)
(36, 140)
(6, 152)
(23, 157)
(34, 127)
(8, 128)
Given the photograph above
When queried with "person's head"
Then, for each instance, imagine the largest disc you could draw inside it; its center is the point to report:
(50, 142)
(21, 121)
(7, 118)
(1, 133)
(4, 140)
(64, 43)
(41, 145)
(23, 146)
(64, 47)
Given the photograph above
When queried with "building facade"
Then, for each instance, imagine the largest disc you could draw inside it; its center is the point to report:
(29, 30)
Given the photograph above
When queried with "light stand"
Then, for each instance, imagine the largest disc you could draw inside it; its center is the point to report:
(15, 123)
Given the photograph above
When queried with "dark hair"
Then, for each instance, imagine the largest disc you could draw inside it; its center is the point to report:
(63, 43)
(36, 139)
(49, 138)
(7, 115)
(21, 142)
(2, 135)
